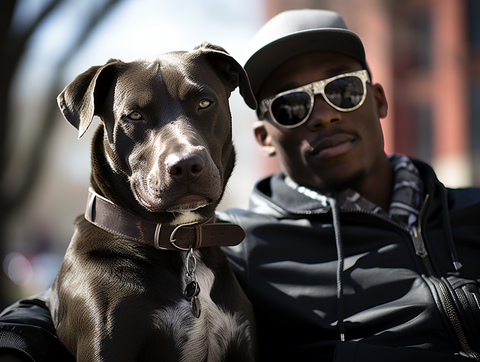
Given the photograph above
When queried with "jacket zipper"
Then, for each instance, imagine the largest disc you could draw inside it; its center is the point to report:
(447, 302)
(441, 289)
(448, 306)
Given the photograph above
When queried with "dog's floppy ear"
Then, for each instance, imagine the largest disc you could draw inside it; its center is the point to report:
(232, 73)
(82, 98)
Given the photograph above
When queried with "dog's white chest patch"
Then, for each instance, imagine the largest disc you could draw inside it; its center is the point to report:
(205, 338)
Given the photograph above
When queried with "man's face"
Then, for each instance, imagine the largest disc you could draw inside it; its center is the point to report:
(332, 150)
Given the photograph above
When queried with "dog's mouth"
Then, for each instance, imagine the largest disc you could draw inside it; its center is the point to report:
(186, 203)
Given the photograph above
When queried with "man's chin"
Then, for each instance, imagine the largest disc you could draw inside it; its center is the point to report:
(332, 187)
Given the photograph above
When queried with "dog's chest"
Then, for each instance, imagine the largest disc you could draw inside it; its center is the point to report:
(208, 337)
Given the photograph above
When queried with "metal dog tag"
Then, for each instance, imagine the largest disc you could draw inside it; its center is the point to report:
(195, 307)
(191, 290)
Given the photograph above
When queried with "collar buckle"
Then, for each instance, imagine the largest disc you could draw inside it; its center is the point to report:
(156, 238)
(158, 230)
(172, 236)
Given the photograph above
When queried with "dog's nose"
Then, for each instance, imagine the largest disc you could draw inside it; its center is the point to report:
(184, 167)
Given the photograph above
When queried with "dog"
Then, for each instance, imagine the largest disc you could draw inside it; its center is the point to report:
(144, 278)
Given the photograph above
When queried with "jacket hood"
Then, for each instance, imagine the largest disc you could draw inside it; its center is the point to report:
(272, 196)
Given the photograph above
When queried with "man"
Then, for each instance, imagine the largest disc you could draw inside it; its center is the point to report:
(346, 247)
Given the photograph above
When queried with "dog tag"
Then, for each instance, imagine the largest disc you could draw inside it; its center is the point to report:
(195, 307)
(191, 290)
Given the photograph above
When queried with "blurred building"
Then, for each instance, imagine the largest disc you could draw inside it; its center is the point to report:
(426, 54)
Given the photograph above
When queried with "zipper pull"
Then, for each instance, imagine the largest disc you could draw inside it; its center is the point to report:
(418, 243)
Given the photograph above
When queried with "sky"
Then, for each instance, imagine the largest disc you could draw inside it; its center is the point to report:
(142, 28)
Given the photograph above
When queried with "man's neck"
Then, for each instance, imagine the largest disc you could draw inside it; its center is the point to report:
(377, 187)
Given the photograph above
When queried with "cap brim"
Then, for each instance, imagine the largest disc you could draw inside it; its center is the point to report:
(269, 57)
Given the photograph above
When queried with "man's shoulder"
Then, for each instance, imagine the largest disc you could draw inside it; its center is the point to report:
(465, 196)
(26, 327)
(31, 310)
(458, 198)
(243, 217)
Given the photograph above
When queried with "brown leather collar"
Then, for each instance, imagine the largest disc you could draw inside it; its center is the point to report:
(110, 217)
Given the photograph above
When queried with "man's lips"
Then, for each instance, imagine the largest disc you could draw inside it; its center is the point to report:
(331, 146)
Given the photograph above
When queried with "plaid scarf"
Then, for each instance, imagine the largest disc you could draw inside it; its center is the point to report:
(406, 200)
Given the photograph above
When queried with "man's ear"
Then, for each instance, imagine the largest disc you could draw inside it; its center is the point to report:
(380, 100)
(263, 139)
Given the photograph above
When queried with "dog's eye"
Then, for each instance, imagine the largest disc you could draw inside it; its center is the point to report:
(135, 116)
(204, 103)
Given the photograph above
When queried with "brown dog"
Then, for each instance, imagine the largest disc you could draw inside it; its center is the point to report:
(139, 282)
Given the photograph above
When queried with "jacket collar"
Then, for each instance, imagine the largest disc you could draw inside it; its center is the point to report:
(272, 196)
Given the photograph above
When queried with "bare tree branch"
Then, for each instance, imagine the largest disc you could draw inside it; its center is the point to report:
(48, 119)
(34, 162)
(13, 48)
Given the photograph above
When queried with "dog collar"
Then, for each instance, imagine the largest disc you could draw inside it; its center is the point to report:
(106, 215)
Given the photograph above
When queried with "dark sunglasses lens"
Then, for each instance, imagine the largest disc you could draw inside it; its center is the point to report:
(345, 92)
(292, 108)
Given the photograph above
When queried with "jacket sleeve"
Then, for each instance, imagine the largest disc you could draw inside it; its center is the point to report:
(26, 327)
(239, 255)
(464, 208)
(236, 255)
(237, 263)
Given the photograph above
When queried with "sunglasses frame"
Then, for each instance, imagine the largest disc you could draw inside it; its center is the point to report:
(313, 89)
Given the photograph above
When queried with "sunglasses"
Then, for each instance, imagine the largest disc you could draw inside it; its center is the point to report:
(290, 109)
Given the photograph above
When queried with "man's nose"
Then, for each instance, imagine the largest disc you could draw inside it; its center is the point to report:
(323, 115)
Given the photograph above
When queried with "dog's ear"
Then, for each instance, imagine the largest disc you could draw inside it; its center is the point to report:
(231, 73)
(82, 99)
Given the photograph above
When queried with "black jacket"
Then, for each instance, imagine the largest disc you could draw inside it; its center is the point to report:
(287, 266)
(27, 329)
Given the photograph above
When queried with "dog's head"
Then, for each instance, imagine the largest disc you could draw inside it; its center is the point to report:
(167, 130)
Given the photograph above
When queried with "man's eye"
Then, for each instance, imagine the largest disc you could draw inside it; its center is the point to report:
(204, 103)
(135, 116)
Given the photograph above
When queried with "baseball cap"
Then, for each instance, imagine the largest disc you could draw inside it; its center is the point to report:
(295, 32)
